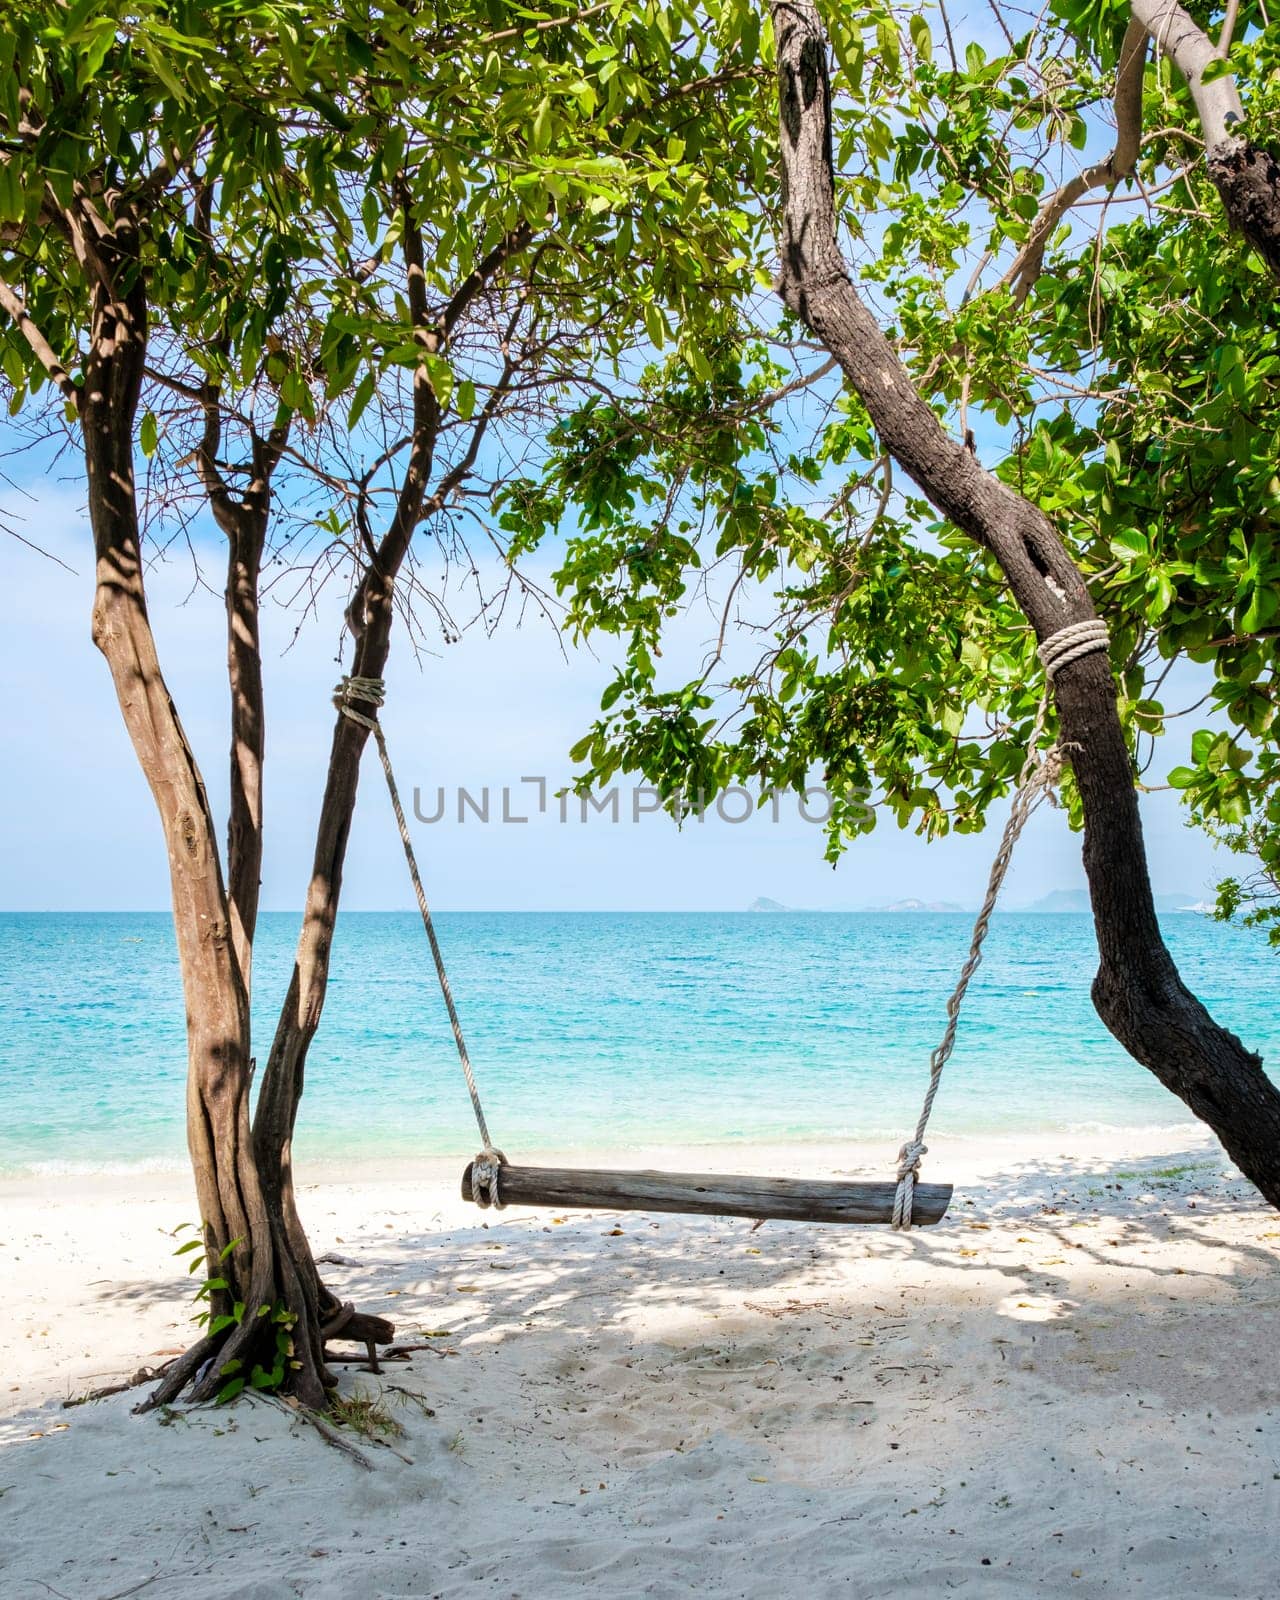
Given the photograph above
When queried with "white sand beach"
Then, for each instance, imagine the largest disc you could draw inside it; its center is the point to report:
(1068, 1388)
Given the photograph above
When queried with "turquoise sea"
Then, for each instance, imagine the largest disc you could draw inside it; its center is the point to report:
(613, 1029)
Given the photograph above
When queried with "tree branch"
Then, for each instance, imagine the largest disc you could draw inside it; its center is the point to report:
(11, 303)
(1180, 39)
(1119, 165)
(464, 295)
(1247, 179)
(1137, 991)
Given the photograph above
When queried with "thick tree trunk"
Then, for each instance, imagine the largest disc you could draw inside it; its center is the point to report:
(242, 1245)
(1137, 991)
(1248, 183)
(236, 1231)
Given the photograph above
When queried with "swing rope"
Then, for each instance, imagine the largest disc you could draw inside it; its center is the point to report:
(1040, 772)
(1038, 776)
(486, 1166)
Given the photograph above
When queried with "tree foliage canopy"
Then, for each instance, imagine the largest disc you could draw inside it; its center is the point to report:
(279, 151)
(1032, 215)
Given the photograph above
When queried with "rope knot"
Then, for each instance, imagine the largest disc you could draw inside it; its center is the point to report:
(371, 692)
(485, 1171)
(908, 1172)
(1051, 766)
(909, 1159)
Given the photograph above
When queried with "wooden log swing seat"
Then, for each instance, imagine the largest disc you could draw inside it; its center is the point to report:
(491, 1180)
(722, 1195)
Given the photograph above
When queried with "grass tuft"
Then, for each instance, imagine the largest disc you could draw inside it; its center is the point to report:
(367, 1415)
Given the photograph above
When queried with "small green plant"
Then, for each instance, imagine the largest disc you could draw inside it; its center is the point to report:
(260, 1377)
(367, 1415)
(277, 1315)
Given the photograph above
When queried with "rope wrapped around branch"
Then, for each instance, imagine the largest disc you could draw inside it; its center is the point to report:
(371, 692)
(1040, 773)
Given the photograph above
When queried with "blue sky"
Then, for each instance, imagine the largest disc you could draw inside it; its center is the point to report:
(78, 831)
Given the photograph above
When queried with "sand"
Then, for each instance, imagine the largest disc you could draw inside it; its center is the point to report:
(1069, 1388)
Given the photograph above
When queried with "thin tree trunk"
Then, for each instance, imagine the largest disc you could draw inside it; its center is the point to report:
(244, 521)
(1137, 991)
(370, 617)
(283, 1079)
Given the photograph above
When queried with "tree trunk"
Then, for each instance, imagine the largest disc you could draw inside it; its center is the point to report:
(283, 1080)
(1137, 991)
(242, 1247)
(370, 618)
(243, 520)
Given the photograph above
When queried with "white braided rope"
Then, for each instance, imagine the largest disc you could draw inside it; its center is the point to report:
(1069, 644)
(1039, 774)
(487, 1166)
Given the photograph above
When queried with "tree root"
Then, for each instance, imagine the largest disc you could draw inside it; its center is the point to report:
(176, 1374)
(357, 1327)
(329, 1435)
(141, 1376)
(346, 1323)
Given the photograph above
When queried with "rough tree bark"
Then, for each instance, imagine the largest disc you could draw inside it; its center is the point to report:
(1137, 991)
(236, 1228)
(1247, 179)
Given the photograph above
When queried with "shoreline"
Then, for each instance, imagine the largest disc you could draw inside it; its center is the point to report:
(971, 1154)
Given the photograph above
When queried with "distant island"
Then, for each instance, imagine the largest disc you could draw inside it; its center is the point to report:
(920, 905)
(1077, 900)
(1065, 902)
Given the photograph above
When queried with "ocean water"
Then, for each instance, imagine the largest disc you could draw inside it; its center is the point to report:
(605, 1029)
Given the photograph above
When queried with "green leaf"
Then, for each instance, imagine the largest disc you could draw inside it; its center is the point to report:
(440, 377)
(542, 125)
(371, 215)
(921, 37)
(365, 390)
